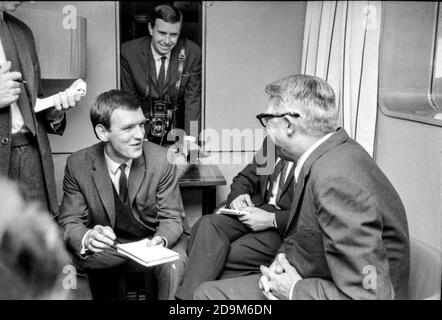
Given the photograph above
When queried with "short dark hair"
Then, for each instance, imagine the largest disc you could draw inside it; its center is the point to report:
(166, 12)
(107, 102)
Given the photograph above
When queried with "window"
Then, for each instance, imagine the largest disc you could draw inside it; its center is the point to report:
(410, 61)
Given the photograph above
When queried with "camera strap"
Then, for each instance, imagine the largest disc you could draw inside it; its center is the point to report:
(181, 59)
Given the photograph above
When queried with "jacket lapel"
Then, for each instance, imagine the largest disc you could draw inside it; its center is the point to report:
(299, 188)
(103, 183)
(290, 177)
(148, 62)
(136, 176)
(172, 73)
(337, 138)
(25, 56)
(173, 67)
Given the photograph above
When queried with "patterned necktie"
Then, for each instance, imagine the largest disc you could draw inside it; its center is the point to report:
(162, 77)
(123, 183)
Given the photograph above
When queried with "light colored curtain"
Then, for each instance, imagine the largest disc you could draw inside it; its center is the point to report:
(341, 45)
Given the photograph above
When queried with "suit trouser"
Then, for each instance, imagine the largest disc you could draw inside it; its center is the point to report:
(222, 247)
(25, 168)
(168, 275)
(241, 288)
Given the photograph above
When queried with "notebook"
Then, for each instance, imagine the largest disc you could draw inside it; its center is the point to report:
(146, 256)
(232, 212)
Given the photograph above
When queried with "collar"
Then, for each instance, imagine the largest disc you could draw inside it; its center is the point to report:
(114, 166)
(157, 56)
(309, 151)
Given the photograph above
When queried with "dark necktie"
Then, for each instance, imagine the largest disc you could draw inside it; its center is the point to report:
(11, 54)
(123, 183)
(278, 168)
(162, 77)
(281, 180)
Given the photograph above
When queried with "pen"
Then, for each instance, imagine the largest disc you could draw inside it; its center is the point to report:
(22, 81)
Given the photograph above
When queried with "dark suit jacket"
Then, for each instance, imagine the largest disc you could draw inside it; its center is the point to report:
(138, 66)
(88, 199)
(347, 227)
(30, 67)
(254, 183)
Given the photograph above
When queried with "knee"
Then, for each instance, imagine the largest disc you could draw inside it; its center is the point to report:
(203, 291)
(211, 222)
(174, 267)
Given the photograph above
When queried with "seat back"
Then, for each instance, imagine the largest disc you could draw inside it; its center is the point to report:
(425, 272)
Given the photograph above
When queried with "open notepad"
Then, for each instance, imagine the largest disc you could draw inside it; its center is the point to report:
(232, 212)
(146, 256)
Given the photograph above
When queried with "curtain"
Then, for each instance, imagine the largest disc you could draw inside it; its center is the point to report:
(341, 45)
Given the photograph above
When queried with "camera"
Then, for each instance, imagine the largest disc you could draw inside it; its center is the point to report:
(161, 118)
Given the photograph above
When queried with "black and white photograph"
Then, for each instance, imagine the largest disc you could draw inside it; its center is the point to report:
(233, 152)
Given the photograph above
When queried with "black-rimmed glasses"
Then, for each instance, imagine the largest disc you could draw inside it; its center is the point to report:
(265, 117)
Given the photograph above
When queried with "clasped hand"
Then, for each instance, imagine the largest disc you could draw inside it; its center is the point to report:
(277, 280)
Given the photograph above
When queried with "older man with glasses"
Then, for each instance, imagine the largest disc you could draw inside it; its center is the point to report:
(347, 235)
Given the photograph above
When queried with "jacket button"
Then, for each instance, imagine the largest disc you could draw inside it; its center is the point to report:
(5, 140)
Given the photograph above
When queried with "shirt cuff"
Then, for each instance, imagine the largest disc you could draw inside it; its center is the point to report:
(83, 243)
(292, 288)
(165, 241)
(274, 221)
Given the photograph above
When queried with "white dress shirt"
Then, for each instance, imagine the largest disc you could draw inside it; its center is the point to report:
(115, 172)
(157, 57)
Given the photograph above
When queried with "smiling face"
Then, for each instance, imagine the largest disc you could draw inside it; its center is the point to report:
(124, 138)
(164, 35)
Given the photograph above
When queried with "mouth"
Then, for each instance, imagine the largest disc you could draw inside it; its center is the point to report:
(136, 145)
(164, 47)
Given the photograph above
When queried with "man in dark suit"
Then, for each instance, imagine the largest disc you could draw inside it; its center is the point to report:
(122, 188)
(150, 67)
(25, 153)
(222, 246)
(347, 234)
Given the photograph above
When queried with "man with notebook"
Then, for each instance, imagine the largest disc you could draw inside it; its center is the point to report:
(225, 245)
(122, 189)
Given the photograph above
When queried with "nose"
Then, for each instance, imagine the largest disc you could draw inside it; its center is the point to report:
(168, 40)
(139, 132)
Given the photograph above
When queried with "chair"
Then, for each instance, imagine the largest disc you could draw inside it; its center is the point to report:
(425, 272)
(128, 282)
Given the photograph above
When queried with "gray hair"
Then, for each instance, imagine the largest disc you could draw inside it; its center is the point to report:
(310, 96)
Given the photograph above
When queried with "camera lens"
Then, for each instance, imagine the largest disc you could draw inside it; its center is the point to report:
(158, 131)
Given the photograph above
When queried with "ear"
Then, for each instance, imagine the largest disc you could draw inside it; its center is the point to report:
(149, 26)
(101, 132)
(291, 124)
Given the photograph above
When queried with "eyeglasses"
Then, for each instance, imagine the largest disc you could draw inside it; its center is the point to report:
(265, 117)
